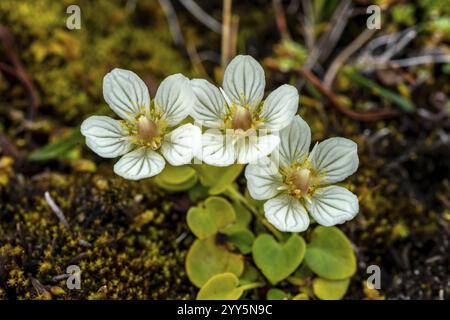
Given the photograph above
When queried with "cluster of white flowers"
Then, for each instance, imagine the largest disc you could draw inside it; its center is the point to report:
(242, 129)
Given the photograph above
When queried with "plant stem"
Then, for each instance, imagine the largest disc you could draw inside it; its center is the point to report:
(252, 285)
(236, 195)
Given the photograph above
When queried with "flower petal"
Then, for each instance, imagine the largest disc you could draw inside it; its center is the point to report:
(210, 105)
(181, 145)
(174, 98)
(105, 136)
(263, 179)
(244, 81)
(335, 159)
(286, 214)
(295, 140)
(333, 205)
(279, 107)
(139, 164)
(216, 150)
(252, 148)
(125, 93)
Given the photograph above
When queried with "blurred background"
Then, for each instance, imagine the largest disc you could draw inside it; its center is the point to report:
(379, 79)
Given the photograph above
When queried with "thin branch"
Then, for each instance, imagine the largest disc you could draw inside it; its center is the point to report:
(356, 115)
(413, 61)
(226, 33)
(280, 19)
(18, 70)
(331, 36)
(202, 16)
(58, 212)
(308, 24)
(345, 54)
(172, 20)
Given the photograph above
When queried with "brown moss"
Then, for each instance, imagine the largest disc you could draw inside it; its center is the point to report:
(121, 235)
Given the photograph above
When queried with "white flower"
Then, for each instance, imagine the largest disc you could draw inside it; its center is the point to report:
(145, 134)
(303, 181)
(237, 113)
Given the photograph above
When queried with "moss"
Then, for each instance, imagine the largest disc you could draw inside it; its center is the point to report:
(121, 235)
(67, 65)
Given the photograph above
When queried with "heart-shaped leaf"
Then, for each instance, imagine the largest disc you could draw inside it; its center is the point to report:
(330, 254)
(224, 286)
(205, 259)
(277, 261)
(249, 275)
(276, 294)
(326, 289)
(243, 239)
(178, 178)
(218, 179)
(210, 217)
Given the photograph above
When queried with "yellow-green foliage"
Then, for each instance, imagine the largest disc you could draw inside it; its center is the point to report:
(121, 235)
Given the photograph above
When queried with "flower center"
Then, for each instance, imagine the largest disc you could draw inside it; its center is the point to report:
(146, 129)
(300, 182)
(242, 119)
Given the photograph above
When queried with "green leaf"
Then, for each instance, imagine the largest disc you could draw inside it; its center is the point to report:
(205, 259)
(178, 178)
(218, 179)
(277, 261)
(400, 101)
(301, 296)
(249, 275)
(243, 239)
(210, 217)
(330, 254)
(276, 294)
(58, 149)
(326, 289)
(223, 286)
(243, 218)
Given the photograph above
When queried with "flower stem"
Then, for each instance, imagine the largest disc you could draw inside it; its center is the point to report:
(252, 285)
(236, 195)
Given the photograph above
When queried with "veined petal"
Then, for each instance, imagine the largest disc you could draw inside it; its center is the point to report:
(263, 179)
(286, 214)
(210, 105)
(295, 140)
(181, 145)
(335, 159)
(139, 164)
(174, 98)
(333, 205)
(252, 148)
(125, 93)
(105, 136)
(279, 107)
(244, 81)
(216, 150)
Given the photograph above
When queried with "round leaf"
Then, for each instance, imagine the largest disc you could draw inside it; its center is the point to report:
(243, 239)
(330, 254)
(205, 259)
(210, 217)
(221, 287)
(178, 178)
(218, 179)
(276, 294)
(277, 261)
(326, 289)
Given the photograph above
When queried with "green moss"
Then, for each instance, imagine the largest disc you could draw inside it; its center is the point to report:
(124, 252)
(67, 66)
